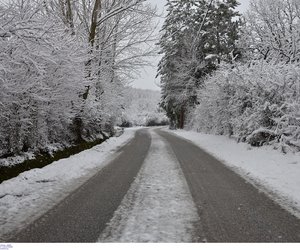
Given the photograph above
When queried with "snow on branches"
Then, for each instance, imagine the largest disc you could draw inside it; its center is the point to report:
(272, 30)
(63, 66)
(38, 87)
(254, 96)
(258, 104)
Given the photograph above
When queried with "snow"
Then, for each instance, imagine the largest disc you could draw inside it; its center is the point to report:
(158, 206)
(9, 161)
(14, 160)
(210, 56)
(26, 197)
(275, 173)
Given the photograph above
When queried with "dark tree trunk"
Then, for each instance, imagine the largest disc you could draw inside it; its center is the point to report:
(181, 118)
(93, 28)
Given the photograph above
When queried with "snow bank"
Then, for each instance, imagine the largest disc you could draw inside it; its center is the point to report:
(26, 197)
(275, 173)
(158, 206)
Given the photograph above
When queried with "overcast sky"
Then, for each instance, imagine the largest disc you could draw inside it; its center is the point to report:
(147, 79)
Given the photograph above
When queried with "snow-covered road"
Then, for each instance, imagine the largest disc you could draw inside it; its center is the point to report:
(158, 206)
(156, 188)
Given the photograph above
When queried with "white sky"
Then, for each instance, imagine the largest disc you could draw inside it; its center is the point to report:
(147, 79)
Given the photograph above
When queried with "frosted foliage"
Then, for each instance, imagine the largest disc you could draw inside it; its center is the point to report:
(38, 87)
(42, 78)
(195, 38)
(272, 30)
(62, 72)
(259, 104)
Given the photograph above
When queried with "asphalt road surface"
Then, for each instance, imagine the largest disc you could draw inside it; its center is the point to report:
(83, 215)
(229, 208)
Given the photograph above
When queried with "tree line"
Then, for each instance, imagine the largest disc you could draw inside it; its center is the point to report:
(63, 67)
(231, 74)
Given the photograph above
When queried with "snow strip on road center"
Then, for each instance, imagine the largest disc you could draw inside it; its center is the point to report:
(275, 173)
(27, 196)
(158, 206)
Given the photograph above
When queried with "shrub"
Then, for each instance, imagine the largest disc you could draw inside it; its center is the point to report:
(257, 103)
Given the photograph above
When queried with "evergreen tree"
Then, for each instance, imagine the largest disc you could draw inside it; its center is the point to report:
(196, 36)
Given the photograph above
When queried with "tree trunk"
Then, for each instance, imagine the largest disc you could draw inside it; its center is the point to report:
(181, 118)
(92, 34)
(69, 17)
(95, 16)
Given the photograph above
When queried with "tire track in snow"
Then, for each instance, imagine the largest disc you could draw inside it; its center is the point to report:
(158, 207)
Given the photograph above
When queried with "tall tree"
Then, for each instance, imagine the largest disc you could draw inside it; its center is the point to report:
(197, 35)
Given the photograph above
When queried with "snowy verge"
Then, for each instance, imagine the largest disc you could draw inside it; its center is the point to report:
(275, 173)
(158, 206)
(29, 195)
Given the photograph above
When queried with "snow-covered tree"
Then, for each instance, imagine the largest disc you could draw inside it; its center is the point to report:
(256, 99)
(120, 36)
(257, 103)
(272, 30)
(38, 86)
(63, 65)
(197, 35)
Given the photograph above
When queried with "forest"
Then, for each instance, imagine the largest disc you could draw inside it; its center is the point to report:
(230, 74)
(65, 67)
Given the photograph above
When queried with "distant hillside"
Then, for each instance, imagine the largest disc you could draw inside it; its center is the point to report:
(141, 108)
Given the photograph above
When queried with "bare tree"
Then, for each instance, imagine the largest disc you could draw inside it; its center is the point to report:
(272, 29)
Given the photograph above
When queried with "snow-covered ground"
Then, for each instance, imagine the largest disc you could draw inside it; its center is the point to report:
(273, 172)
(158, 206)
(26, 197)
